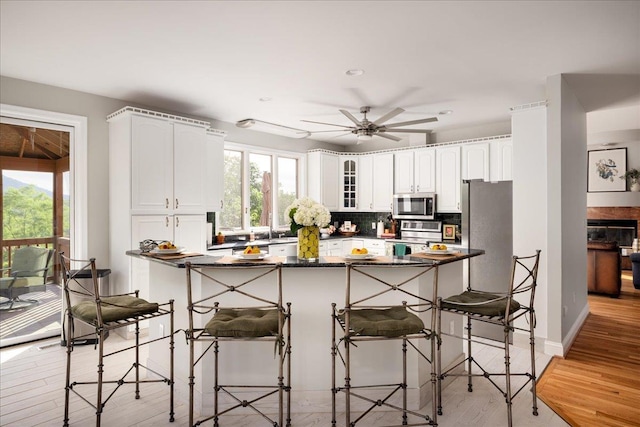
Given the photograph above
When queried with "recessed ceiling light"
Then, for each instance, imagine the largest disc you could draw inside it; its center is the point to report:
(266, 99)
(445, 112)
(354, 72)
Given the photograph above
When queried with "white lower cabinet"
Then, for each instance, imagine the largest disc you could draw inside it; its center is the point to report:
(375, 246)
(331, 247)
(184, 230)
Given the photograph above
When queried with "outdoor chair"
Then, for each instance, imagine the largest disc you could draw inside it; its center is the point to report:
(28, 273)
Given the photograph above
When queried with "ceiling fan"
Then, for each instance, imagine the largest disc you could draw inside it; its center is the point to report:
(365, 129)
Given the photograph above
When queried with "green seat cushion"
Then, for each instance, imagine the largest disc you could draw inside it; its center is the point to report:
(114, 308)
(246, 323)
(388, 322)
(20, 282)
(495, 308)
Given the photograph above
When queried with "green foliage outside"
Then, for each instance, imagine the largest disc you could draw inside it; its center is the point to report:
(28, 213)
(231, 214)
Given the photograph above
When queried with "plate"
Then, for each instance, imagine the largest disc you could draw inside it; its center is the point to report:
(252, 256)
(439, 251)
(359, 256)
(177, 250)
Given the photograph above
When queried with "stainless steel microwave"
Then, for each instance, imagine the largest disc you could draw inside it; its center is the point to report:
(421, 206)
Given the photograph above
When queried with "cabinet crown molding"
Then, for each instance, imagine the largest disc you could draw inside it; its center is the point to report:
(149, 113)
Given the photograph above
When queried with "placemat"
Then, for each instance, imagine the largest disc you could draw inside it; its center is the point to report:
(171, 256)
(340, 259)
(435, 256)
(232, 260)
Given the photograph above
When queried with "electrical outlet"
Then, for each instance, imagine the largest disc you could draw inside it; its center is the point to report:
(373, 225)
(161, 330)
(452, 328)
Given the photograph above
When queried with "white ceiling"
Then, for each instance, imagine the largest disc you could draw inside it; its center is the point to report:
(215, 59)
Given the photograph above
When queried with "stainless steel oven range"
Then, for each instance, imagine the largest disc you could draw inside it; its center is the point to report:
(421, 231)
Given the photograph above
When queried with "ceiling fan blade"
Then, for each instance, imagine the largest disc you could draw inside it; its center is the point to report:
(391, 137)
(391, 114)
(329, 124)
(406, 130)
(412, 122)
(334, 130)
(350, 117)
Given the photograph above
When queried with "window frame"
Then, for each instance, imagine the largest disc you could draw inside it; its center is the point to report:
(247, 150)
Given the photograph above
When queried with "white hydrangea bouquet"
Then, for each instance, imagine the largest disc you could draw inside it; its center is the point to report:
(307, 212)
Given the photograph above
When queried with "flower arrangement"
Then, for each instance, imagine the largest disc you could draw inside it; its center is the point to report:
(306, 212)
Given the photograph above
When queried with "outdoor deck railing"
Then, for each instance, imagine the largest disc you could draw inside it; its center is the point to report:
(58, 243)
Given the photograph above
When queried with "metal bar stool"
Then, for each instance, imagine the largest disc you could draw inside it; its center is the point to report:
(374, 317)
(242, 312)
(104, 314)
(502, 309)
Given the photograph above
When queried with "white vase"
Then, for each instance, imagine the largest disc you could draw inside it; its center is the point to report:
(635, 187)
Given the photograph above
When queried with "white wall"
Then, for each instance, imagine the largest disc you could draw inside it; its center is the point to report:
(530, 175)
(566, 211)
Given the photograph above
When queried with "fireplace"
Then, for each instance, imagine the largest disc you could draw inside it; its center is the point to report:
(622, 231)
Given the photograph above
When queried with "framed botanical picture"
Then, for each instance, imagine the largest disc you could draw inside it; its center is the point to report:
(449, 232)
(604, 169)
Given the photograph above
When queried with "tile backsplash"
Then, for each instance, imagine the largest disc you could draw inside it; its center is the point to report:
(362, 219)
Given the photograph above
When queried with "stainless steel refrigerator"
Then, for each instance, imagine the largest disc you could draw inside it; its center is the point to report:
(487, 223)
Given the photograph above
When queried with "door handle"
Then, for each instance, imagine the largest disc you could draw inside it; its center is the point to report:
(177, 204)
(166, 203)
(177, 222)
(166, 221)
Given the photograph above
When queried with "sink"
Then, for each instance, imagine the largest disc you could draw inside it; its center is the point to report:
(284, 240)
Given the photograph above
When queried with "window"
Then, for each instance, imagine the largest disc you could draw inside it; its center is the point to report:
(258, 187)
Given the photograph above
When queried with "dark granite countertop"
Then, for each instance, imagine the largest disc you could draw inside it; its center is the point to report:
(261, 243)
(292, 261)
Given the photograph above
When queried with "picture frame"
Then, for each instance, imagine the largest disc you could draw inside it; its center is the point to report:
(604, 169)
(449, 232)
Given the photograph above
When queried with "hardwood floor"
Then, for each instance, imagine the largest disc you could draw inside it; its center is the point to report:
(598, 382)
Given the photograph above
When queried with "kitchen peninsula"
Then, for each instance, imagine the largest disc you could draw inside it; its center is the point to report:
(311, 287)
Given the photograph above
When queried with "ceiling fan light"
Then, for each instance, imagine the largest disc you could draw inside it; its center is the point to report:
(364, 137)
(246, 123)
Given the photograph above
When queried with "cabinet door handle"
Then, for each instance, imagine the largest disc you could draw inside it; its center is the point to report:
(177, 204)
(177, 222)
(166, 203)
(417, 188)
(221, 204)
(166, 221)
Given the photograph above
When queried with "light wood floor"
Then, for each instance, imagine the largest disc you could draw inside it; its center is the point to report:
(32, 383)
(598, 382)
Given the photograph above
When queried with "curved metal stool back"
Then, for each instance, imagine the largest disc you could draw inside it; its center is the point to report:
(382, 313)
(504, 310)
(239, 312)
(104, 314)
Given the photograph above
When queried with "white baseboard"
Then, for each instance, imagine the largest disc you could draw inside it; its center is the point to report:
(575, 329)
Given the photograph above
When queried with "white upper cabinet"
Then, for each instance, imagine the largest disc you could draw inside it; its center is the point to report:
(167, 166)
(151, 145)
(214, 169)
(365, 183)
(501, 154)
(475, 161)
(382, 182)
(414, 171)
(189, 161)
(323, 173)
(448, 183)
(425, 170)
(403, 172)
(349, 177)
